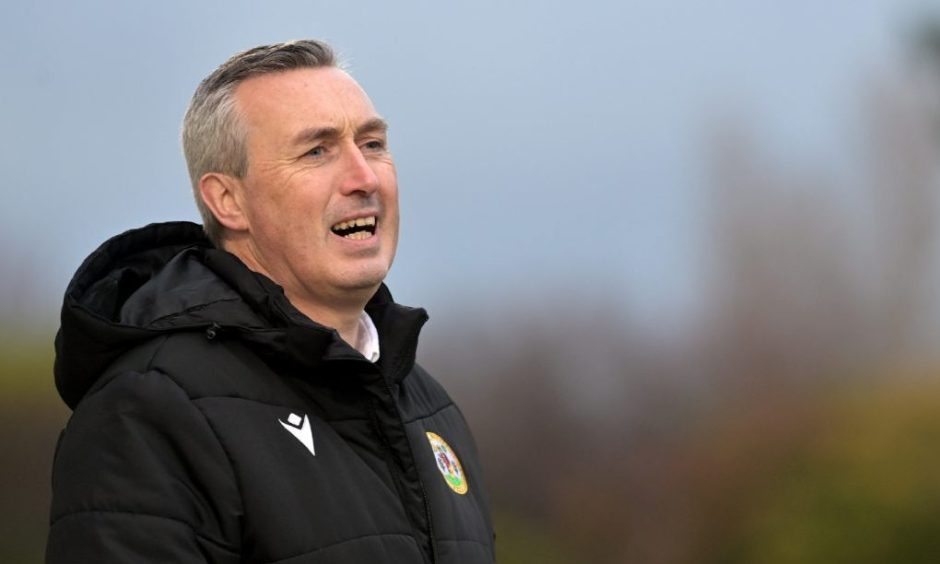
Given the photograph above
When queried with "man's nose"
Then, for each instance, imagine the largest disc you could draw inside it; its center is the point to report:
(358, 175)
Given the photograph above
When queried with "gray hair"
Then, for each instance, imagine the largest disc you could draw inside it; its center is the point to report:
(213, 133)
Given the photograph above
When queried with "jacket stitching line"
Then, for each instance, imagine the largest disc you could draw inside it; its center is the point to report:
(344, 541)
(212, 429)
(189, 310)
(153, 356)
(473, 541)
(80, 512)
(103, 383)
(228, 455)
(429, 415)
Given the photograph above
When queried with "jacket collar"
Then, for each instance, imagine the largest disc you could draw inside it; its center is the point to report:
(308, 343)
(148, 265)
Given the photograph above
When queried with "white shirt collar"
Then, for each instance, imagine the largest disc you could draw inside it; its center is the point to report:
(368, 343)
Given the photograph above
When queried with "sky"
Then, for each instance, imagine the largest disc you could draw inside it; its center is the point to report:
(544, 149)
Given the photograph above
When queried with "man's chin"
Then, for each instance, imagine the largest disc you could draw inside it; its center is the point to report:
(360, 278)
(368, 281)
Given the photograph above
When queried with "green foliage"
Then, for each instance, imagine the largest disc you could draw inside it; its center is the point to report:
(864, 489)
(26, 367)
(31, 415)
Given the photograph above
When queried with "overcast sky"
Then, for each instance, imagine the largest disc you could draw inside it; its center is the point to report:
(540, 145)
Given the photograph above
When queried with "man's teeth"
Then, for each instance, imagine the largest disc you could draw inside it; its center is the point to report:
(360, 222)
(356, 229)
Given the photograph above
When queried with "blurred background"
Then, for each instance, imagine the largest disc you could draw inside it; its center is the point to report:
(679, 257)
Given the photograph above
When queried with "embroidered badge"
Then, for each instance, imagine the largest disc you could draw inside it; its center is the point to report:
(448, 464)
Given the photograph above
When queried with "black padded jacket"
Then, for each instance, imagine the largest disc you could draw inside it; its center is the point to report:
(215, 423)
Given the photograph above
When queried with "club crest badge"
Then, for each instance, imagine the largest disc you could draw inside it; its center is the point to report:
(448, 464)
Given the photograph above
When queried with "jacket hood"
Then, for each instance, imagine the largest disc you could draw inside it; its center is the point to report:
(168, 277)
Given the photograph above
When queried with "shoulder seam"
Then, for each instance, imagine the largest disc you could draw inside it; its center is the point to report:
(212, 429)
(102, 384)
(156, 351)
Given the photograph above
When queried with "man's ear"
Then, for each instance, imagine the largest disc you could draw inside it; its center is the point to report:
(222, 194)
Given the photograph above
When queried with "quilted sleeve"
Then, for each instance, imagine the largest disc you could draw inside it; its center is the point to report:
(139, 476)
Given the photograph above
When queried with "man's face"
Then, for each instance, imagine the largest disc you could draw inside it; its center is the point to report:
(320, 196)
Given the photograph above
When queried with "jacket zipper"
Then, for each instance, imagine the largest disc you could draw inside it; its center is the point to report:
(398, 477)
(424, 493)
(411, 344)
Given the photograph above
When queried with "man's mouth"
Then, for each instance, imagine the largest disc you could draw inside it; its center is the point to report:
(359, 228)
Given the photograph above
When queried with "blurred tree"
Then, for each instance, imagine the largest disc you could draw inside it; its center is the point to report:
(927, 44)
(863, 489)
(30, 418)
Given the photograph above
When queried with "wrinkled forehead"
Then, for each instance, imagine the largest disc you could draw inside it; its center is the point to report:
(286, 103)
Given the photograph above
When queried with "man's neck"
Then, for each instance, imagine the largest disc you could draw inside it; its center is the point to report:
(341, 314)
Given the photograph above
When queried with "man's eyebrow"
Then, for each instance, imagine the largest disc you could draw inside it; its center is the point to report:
(374, 125)
(312, 134)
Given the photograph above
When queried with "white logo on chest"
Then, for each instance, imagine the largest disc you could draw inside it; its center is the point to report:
(300, 428)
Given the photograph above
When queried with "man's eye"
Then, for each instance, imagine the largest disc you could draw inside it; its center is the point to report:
(374, 145)
(317, 151)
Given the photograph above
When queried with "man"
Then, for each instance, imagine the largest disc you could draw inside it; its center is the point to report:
(251, 395)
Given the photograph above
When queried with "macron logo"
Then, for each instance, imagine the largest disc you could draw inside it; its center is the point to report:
(300, 428)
